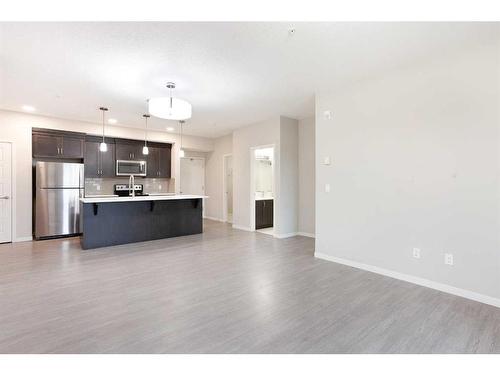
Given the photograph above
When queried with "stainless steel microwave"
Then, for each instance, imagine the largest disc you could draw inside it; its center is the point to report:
(131, 167)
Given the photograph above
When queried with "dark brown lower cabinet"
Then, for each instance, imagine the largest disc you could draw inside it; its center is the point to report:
(264, 213)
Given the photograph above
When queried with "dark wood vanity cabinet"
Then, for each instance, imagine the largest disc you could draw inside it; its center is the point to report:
(57, 144)
(159, 161)
(264, 213)
(99, 164)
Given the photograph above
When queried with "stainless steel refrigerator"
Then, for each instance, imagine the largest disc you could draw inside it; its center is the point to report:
(59, 187)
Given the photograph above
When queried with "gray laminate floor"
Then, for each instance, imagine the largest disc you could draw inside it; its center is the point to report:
(225, 291)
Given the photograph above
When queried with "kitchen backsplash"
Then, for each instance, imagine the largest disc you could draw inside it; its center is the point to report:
(105, 186)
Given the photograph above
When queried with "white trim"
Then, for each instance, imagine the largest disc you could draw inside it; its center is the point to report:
(224, 198)
(414, 279)
(23, 239)
(213, 218)
(241, 227)
(286, 235)
(13, 187)
(305, 234)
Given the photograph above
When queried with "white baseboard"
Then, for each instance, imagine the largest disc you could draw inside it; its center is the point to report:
(242, 228)
(305, 234)
(414, 279)
(286, 235)
(213, 218)
(23, 239)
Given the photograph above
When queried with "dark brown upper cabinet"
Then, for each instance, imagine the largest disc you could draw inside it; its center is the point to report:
(99, 164)
(159, 160)
(129, 150)
(57, 144)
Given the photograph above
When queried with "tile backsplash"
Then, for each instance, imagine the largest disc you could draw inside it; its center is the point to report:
(105, 186)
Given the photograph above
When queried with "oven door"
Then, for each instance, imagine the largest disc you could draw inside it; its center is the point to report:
(128, 167)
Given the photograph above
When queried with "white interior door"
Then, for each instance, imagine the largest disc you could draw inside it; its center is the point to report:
(192, 176)
(5, 192)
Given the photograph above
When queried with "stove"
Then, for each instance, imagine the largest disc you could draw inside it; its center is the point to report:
(122, 190)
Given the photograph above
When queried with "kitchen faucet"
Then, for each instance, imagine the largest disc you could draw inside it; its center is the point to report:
(131, 185)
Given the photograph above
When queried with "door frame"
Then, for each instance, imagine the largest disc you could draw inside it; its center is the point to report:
(252, 184)
(13, 194)
(224, 184)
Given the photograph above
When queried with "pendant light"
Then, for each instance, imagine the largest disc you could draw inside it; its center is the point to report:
(145, 149)
(103, 147)
(181, 151)
(170, 108)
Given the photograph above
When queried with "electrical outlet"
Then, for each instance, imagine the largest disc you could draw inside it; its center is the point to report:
(416, 253)
(327, 188)
(448, 259)
(98, 187)
(328, 115)
(159, 187)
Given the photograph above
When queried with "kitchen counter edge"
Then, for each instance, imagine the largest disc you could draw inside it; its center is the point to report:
(140, 198)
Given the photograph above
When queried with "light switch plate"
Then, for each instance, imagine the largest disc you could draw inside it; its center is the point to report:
(448, 259)
(328, 115)
(327, 188)
(327, 160)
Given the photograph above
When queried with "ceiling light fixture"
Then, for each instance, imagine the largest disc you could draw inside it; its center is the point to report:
(145, 149)
(181, 151)
(170, 108)
(170, 129)
(28, 108)
(103, 147)
(112, 121)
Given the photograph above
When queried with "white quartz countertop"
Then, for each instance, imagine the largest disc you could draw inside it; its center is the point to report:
(139, 198)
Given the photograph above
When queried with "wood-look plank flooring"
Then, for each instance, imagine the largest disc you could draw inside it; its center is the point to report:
(223, 291)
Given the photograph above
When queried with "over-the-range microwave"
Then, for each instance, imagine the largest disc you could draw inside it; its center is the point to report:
(128, 167)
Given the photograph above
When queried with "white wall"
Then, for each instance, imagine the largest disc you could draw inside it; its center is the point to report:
(415, 163)
(307, 176)
(16, 127)
(288, 203)
(260, 134)
(214, 174)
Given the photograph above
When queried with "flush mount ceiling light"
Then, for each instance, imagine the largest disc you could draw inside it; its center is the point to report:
(170, 108)
(28, 108)
(103, 147)
(112, 121)
(169, 129)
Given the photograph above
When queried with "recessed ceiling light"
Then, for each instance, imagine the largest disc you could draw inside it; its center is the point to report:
(170, 129)
(112, 121)
(28, 108)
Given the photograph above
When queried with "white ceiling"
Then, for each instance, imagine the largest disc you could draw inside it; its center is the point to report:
(232, 73)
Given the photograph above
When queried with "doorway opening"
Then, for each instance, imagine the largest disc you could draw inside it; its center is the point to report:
(227, 188)
(262, 189)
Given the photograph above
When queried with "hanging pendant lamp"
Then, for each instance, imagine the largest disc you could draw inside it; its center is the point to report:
(145, 149)
(181, 151)
(103, 147)
(170, 108)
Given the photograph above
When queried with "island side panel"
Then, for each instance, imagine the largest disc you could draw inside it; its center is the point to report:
(119, 223)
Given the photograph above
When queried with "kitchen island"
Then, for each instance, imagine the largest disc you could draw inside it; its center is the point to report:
(108, 221)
